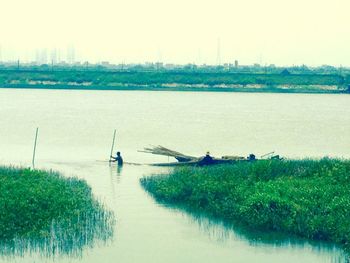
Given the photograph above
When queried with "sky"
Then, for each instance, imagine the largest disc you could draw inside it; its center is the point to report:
(281, 32)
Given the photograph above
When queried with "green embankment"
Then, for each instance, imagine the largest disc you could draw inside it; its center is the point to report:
(39, 205)
(308, 198)
(167, 79)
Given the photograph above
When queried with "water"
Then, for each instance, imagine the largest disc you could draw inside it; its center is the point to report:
(75, 136)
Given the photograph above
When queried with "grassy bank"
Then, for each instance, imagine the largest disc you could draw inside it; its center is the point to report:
(151, 78)
(307, 198)
(47, 208)
(172, 80)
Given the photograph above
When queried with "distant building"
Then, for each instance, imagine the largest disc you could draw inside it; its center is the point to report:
(170, 66)
(41, 56)
(70, 54)
(285, 72)
(236, 63)
(227, 66)
(53, 56)
(159, 65)
(105, 64)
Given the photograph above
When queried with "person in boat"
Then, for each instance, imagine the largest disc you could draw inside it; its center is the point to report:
(251, 157)
(118, 159)
(206, 160)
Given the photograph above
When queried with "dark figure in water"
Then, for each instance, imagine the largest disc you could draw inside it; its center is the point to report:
(118, 159)
(207, 160)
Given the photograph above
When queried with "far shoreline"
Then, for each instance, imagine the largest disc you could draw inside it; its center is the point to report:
(301, 90)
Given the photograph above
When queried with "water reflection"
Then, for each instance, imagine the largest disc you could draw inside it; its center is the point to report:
(69, 237)
(119, 170)
(115, 171)
(224, 231)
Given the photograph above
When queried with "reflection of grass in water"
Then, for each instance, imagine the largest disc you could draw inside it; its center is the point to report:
(47, 213)
(306, 198)
(222, 230)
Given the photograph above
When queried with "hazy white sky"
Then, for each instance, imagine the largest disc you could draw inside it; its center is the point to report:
(283, 32)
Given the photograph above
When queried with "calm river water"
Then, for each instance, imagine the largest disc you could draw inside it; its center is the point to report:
(75, 136)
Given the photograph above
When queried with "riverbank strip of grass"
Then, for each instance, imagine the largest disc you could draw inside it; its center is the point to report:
(44, 205)
(175, 81)
(307, 198)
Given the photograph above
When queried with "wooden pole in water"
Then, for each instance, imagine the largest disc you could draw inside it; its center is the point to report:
(36, 138)
(112, 147)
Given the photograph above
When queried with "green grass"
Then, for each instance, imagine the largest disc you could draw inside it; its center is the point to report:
(105, 78)
(307, 198)
(44, 208)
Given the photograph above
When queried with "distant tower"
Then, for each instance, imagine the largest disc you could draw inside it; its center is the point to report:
(71, 54)
(236, 63)
(218, 55)
(53, 56)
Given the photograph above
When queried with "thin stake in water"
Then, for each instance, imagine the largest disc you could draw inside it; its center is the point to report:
(36, 138)
(112, 147)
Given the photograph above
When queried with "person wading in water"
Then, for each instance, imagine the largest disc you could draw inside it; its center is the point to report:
(118, 159)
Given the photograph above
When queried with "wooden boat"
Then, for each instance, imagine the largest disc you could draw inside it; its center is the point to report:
(186, 160)
(197, 163)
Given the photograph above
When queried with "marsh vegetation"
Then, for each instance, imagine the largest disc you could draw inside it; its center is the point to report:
(45, 212)
(307, 198)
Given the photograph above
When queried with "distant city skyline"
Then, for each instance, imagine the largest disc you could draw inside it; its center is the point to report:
(69, 56)
(281, 32)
